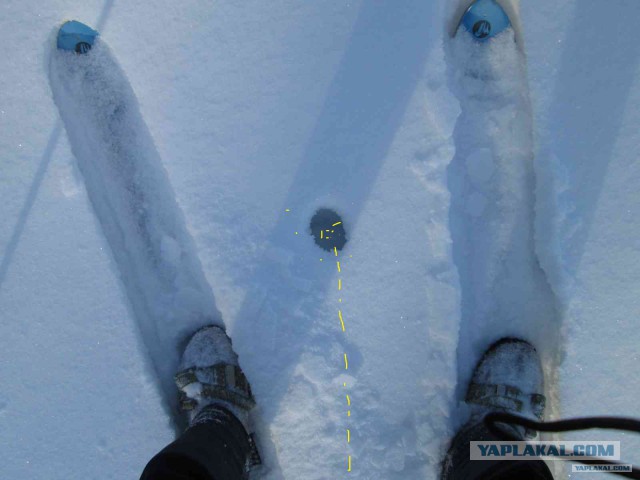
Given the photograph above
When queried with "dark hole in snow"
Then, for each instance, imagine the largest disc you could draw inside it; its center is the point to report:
(327, 229)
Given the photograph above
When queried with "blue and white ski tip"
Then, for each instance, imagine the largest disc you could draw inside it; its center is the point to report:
(76, 37)
(485, 19)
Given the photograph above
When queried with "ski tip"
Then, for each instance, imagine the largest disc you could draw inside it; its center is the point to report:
(485, 19)
(74, 36)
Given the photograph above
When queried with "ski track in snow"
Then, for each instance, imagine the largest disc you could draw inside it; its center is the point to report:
(584, 80)
(398, 425)
(135, 205)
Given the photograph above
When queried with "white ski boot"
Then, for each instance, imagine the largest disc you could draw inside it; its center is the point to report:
(508, 378)
(210, 379)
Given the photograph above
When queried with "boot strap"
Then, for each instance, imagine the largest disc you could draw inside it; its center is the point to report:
(221, 381)
(505, 397)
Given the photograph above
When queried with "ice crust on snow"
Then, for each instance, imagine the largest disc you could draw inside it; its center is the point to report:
(480, 167)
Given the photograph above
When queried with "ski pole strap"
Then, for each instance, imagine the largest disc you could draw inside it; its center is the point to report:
(571, 424)
(221, 381)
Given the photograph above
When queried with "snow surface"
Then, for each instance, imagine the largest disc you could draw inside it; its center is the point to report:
(245, 110)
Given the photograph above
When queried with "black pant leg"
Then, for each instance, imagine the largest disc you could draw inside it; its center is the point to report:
(458, 465)
(216, 447)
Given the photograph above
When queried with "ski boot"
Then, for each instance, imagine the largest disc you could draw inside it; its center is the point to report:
(508, 378)
(212, 386)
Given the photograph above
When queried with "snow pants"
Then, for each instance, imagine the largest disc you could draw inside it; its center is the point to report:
(215, 447)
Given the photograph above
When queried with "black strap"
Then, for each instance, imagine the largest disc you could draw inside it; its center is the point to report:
(220, 381)
(570, 424)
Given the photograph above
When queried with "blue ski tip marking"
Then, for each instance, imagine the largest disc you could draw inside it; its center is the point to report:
(485, 19)
(76, 37)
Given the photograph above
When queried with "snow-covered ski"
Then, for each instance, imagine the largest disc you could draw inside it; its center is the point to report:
(132, 198)
(492, 184)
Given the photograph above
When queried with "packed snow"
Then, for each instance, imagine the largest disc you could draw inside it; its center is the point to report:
(486, 190)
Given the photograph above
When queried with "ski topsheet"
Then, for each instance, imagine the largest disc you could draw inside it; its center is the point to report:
(132, 198)
(492, 184)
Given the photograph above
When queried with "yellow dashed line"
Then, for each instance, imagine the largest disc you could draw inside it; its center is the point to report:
(346, 361)
(327, 236)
